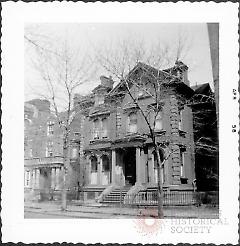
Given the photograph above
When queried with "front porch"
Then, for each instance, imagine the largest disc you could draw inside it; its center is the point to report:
(132, 166)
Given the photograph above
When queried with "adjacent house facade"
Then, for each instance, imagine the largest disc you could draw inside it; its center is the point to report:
(110, 142)
(43, 150)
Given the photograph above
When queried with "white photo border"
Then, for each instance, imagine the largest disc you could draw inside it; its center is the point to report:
(14, 15)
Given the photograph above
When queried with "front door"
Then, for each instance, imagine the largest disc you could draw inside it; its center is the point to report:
(130, 166)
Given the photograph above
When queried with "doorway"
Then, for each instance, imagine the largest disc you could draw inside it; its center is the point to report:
(129, 160)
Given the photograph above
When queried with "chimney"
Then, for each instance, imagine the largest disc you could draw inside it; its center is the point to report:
(183, 69)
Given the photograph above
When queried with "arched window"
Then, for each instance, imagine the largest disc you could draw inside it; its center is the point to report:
(132, 123)
(159, 122)
(105, 163)
(93, 164)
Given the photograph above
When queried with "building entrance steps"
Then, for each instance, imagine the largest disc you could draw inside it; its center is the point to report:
(115, 195)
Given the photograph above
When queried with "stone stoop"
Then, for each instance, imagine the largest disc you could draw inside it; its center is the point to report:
(105, 193)
(115, 195)
(130, 196)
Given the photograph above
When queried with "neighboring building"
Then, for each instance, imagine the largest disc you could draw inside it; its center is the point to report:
(43, 148)
(110, 143)
(213, 34)
(205, 138)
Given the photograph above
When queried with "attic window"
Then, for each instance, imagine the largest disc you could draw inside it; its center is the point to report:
(159, 121)
(132, 123)
(99, 99)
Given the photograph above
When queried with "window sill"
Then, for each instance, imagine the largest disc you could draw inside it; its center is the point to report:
(99, 140)
(160, 131)
(131, 133)
(182, 133)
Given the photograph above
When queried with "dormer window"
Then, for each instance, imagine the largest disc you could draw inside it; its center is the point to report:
(159, 121)
(132, 123)
(99, 100)
(140, 93)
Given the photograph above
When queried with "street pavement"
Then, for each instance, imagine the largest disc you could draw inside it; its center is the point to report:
(94, 210)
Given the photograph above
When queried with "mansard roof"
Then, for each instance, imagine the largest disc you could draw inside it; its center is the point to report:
(167, 74)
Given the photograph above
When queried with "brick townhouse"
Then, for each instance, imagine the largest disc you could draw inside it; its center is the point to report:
(110, 147)
(117, 151)
(43, 152)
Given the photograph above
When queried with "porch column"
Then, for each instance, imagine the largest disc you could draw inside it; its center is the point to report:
(53, 176)
(138, 166)
(31, 178)
(57, 177)
(38, 178)
(113, 166)
(99, 165)
(143, 167)
(89, 170)
(34, 179)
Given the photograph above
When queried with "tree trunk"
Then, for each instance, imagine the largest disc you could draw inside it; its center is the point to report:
(64, 192)
(160, 190)
(64, 174)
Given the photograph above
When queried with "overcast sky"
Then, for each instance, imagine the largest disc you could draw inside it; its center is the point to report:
(86, 35)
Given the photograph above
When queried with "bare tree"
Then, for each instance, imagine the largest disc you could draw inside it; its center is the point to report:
(62, 71)
(120, 63)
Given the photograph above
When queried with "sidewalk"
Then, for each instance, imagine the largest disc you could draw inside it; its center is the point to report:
(96, 210)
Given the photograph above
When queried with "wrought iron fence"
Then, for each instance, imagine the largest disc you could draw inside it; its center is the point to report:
(143, 198)
(173, 198)
(169, 198)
